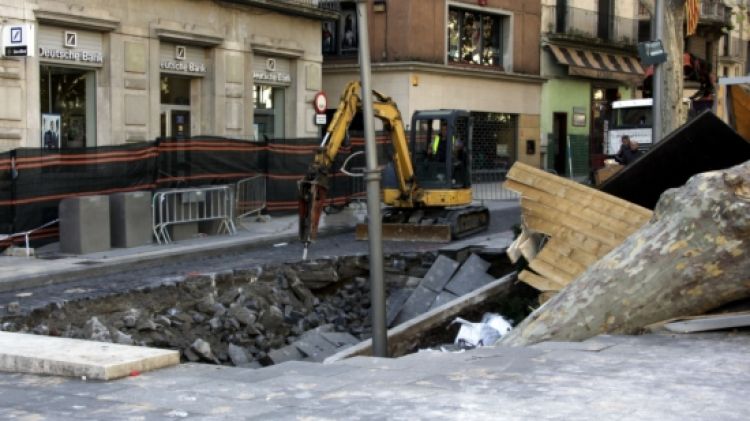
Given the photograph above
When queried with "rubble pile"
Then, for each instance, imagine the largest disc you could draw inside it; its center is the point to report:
(238, 317)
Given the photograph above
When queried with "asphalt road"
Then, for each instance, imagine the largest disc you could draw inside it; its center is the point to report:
(341, 244)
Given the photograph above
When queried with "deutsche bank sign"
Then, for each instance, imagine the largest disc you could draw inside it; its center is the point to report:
(17, 40)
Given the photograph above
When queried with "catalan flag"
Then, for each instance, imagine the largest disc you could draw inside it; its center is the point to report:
(692, 13)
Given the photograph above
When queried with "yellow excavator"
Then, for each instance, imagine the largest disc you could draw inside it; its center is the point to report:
(427, 185)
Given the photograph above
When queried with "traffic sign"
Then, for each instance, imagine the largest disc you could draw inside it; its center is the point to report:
(320, 103)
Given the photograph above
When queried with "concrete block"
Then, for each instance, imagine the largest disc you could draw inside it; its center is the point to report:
(439, 274)
(418, 302)
(25, 353)
(130, 219)
(287, 353)
(470, 276)
(84, 224)
(183, 231)
(339, 339)
(395, 303)
(315, 347)
(444, 297)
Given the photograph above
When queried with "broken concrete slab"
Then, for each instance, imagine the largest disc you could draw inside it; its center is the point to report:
(439, 274)
(340, 339)
(418, 302)
(26, 353)
(470, 276)
(709, 322)
(395, 302)
(315, 347)
(287, 353)
(406, 336)
(444, 297)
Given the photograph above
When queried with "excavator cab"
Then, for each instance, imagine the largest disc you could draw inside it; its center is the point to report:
(440, 141)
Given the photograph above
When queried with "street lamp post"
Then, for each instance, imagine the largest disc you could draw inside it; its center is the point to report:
(372, 176)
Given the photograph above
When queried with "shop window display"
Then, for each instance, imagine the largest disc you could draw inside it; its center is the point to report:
(67, 98)
(474, 38)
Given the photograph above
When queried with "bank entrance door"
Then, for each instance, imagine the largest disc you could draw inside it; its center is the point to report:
(175, 106)
(175, 122)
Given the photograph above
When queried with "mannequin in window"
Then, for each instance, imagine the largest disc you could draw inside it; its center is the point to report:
(51, 138)
(350, 40)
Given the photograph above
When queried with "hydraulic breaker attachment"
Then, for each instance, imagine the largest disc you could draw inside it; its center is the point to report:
(313, 191)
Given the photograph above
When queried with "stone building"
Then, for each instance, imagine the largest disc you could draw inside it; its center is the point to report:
(589, 56)
(481, 56)
(109, 72)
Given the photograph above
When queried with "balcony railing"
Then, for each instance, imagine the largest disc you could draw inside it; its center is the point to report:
(590, 24)
(325, 9)
(733, 48)
(713, 10)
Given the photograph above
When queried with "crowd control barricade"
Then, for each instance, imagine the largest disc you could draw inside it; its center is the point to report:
(251, 196)
(198, 204)
(488, 185)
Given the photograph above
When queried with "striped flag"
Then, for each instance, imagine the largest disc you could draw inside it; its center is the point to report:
(692, 12)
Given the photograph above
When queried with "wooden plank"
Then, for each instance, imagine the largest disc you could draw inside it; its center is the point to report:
(539, 282)
(552, 256)
(622, 226)
(575, 223)
(569, 237)
(551, 272)
(520, 172)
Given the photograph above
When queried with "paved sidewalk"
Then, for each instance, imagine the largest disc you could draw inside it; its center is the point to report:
(649, 377)
(51, 267)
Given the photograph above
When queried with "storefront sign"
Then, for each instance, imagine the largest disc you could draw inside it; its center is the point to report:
(182, 59)
(16, 40)
(182, 66)
(266, 76)
(16, 51)
(72, 55)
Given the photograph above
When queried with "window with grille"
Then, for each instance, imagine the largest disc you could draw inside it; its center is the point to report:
(341, 37)
(476, 38)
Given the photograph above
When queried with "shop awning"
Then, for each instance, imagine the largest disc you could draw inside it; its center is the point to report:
(598, 65)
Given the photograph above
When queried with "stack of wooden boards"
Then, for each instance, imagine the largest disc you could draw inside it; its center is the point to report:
(577, 225)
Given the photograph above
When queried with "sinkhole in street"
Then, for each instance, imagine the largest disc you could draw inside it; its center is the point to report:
(261, 315)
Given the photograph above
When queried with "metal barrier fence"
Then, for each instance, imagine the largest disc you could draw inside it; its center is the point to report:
(488, 185)
(200, 204)
(27, 234)
(251, 196)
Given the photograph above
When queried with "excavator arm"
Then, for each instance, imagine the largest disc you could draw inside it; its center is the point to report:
(313, 188)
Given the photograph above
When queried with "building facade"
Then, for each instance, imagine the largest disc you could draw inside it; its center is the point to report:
(589, 56)
(107, 73)
(480, 56)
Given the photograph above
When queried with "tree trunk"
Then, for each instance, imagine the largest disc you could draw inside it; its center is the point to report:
(693, 256)
(673, 112)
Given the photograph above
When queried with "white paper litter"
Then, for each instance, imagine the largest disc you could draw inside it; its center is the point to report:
(487, 332)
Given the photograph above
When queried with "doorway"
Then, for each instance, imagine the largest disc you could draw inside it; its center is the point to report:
(559, 134)
(175, 107)
(602, 98)
(68, 107)
(268, 115)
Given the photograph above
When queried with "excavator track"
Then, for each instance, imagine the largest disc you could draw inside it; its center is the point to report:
(439, 225)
